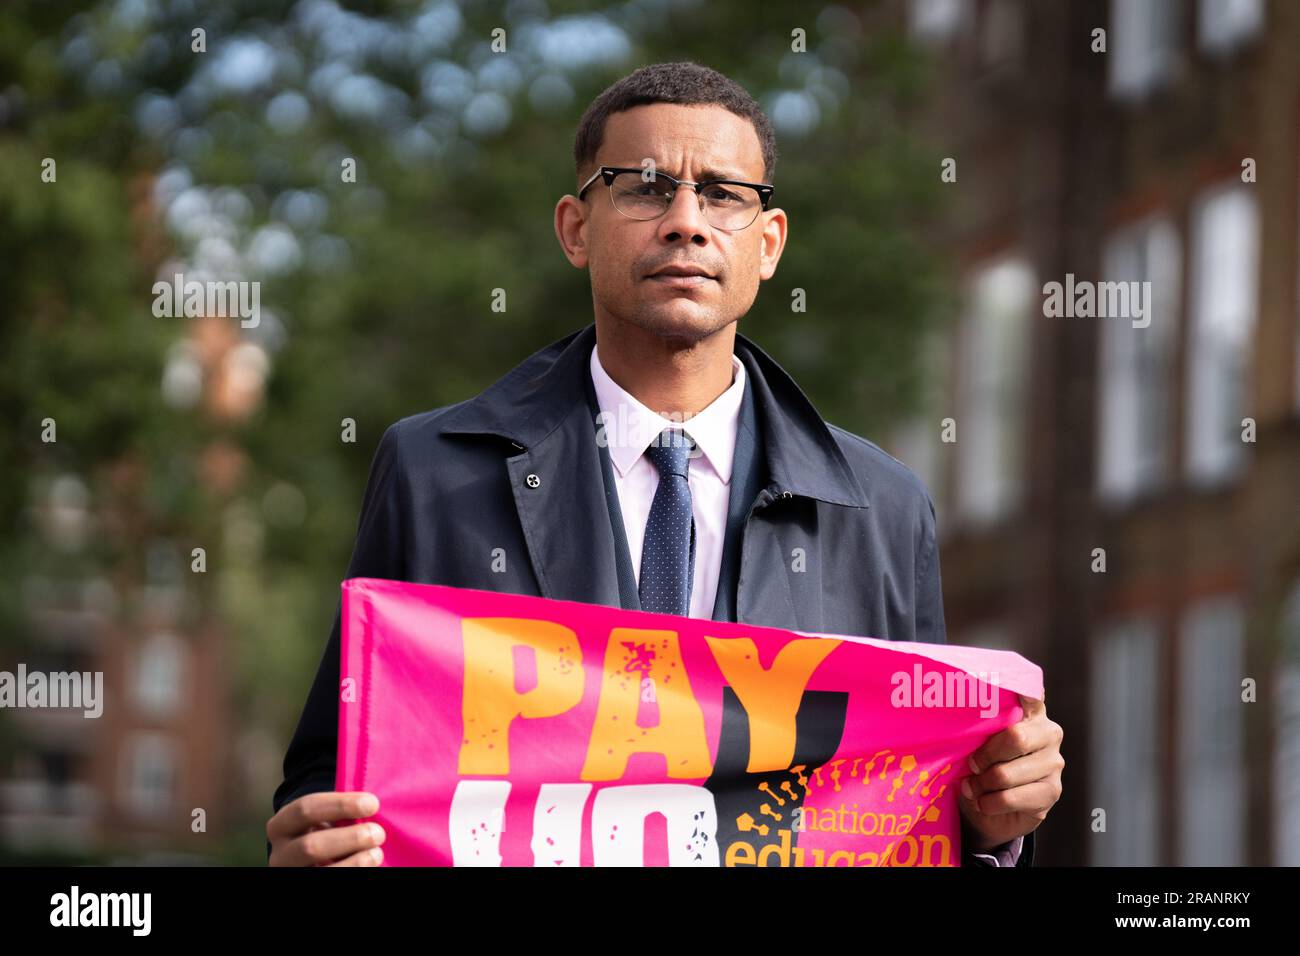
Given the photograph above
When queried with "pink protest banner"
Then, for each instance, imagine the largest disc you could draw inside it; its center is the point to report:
(506, 730)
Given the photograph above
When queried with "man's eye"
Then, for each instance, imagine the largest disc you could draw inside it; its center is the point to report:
(640, 189)
(718, 194)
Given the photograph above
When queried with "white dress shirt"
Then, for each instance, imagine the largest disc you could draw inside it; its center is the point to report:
(630, 427)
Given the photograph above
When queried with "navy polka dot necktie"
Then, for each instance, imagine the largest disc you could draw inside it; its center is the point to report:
(668, 554)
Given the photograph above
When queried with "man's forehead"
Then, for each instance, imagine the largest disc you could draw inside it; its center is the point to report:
(714, 141)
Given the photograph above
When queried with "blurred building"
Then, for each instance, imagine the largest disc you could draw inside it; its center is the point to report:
(128, 780)
(1119, 496)
(151, 779)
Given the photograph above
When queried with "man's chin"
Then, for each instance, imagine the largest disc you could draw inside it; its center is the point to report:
(685, 322)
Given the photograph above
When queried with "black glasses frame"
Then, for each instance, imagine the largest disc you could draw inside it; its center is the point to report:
(608, 173)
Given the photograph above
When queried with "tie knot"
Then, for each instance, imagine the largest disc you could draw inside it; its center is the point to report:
(671, 452)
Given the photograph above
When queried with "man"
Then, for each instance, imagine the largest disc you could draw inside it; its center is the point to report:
(659, 460)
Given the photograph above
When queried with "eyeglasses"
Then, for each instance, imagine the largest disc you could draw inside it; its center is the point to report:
(726, 203)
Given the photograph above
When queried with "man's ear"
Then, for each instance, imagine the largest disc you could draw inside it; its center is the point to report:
(571, 229)
(773, 242)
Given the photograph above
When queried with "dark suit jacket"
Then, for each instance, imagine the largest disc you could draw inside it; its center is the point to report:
(517, 472)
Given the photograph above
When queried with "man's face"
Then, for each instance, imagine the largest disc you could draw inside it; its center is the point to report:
(692, 143)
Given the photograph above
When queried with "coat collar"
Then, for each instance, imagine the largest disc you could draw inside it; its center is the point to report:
(535, 397)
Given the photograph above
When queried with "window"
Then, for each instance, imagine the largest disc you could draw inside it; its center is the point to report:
(936, 21)
(1224, 261)
(1224, 25)
(1141, 46)
(990, 419)
(1125, 746)
(1211, 771)
(150, 774)
(156, 687)
(1136, 368)
(1286, 761)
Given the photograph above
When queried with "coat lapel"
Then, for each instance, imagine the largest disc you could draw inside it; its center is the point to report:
(555, 478)
(565, 519)
(800, 464)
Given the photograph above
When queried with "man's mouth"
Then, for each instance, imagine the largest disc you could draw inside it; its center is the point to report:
(681, 277)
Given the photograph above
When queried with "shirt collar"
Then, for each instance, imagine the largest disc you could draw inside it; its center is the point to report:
(630, 427)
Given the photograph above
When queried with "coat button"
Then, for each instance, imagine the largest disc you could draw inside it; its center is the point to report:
(533, 481)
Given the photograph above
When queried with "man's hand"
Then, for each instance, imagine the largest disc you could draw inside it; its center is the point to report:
(1016, 779)
(303, 832)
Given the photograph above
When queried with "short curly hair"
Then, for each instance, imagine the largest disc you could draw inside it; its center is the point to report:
(685, 83)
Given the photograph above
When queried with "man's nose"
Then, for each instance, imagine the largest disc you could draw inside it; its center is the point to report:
(684, 215)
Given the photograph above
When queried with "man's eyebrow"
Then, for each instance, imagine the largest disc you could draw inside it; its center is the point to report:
(705, 174)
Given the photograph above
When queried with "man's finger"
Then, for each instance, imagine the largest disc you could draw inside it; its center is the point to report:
(371, 857)
(1015, 773)
(1027, 799)
(330, 844)
(1032, 706)
(302, 814)
(1022, 737)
